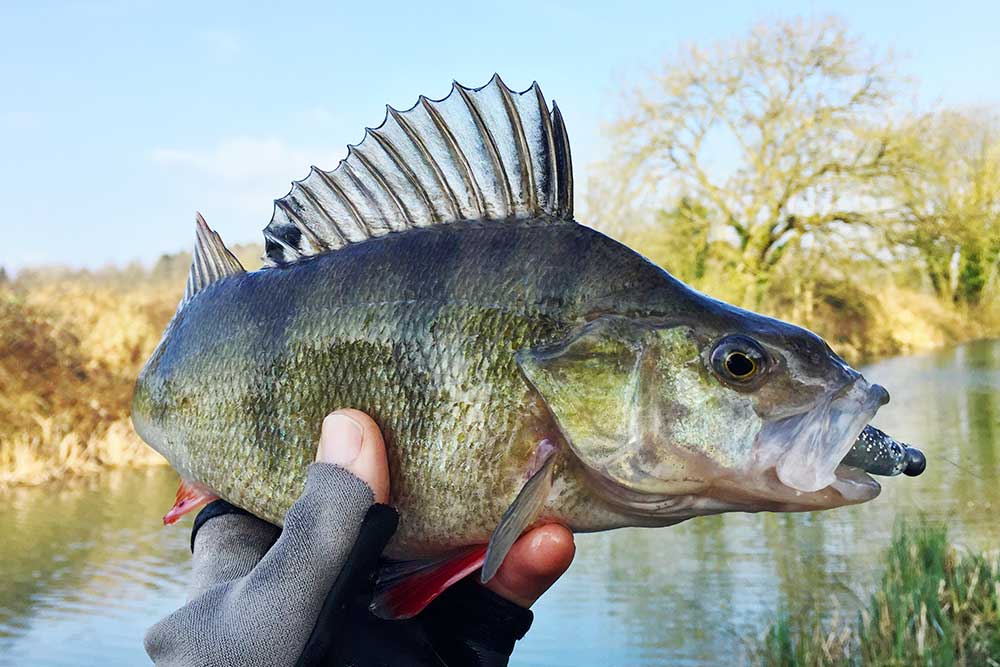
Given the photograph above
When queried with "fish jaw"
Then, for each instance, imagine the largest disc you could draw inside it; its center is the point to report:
(613, 504)
(850, 486)
(799, 458)
(796, 465)
(788, 464)
(796, 462)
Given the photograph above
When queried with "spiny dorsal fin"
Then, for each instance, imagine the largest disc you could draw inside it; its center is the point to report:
(211, 260)
(478, 154)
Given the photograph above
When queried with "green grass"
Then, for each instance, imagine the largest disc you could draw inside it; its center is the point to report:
(935, 605)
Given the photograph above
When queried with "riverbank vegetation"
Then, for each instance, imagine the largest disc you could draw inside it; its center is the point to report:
(71, 346)
(784, 171)
(935, 605)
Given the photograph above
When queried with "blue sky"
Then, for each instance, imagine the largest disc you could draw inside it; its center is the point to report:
(119, 119)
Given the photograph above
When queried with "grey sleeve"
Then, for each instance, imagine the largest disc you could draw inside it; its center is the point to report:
(248, 612)
(228, 548)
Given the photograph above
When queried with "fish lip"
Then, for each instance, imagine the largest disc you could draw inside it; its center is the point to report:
(850, 486)
(736, 492)
(855, 484)
(806, 449)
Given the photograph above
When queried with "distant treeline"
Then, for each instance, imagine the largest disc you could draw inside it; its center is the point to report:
(168, 273)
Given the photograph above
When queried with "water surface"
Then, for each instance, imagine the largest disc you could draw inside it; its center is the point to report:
(85, 566)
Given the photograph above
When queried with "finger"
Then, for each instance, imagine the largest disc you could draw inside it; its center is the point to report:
(226, 544)
(352, 440)
(534, 563)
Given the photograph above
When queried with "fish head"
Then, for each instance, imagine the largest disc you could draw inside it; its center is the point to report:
(677, 419)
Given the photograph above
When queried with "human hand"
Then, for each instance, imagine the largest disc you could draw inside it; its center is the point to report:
(300, 596)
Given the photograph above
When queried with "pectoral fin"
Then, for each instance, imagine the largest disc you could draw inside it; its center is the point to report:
(522, 512)
(190, 496)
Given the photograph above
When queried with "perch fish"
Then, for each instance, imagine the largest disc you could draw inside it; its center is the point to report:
(524, 368)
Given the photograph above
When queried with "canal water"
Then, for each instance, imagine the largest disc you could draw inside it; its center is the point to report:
(85, 565)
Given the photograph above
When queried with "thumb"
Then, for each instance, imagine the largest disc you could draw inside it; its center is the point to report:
(352, 440)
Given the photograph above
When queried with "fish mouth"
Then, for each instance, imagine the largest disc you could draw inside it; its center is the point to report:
(873, 452)
(805, 459)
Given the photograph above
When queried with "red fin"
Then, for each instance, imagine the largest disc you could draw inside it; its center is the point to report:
(190, 496)
(406, 587)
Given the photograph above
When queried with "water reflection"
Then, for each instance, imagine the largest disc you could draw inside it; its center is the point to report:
(85, 567)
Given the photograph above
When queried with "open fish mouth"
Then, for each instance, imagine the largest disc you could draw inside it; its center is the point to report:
(806, 449)
(832, 448)
(819, 459)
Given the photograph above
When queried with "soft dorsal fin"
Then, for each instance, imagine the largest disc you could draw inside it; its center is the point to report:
(478, 154)
(211, 260)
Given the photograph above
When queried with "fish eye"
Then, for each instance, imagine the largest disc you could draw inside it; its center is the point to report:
(738, 359)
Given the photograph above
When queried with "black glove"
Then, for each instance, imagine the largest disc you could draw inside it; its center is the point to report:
(300, 596)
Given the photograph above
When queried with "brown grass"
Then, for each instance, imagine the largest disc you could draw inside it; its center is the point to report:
(71, 346)
(69, 353)
(864, 324)
(48, 453)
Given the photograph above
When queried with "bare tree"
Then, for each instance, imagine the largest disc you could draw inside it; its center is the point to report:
(778, 136)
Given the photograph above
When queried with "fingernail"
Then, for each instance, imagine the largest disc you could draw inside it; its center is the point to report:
(340, 441)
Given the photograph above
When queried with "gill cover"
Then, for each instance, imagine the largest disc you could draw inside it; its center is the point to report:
(636, 404)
